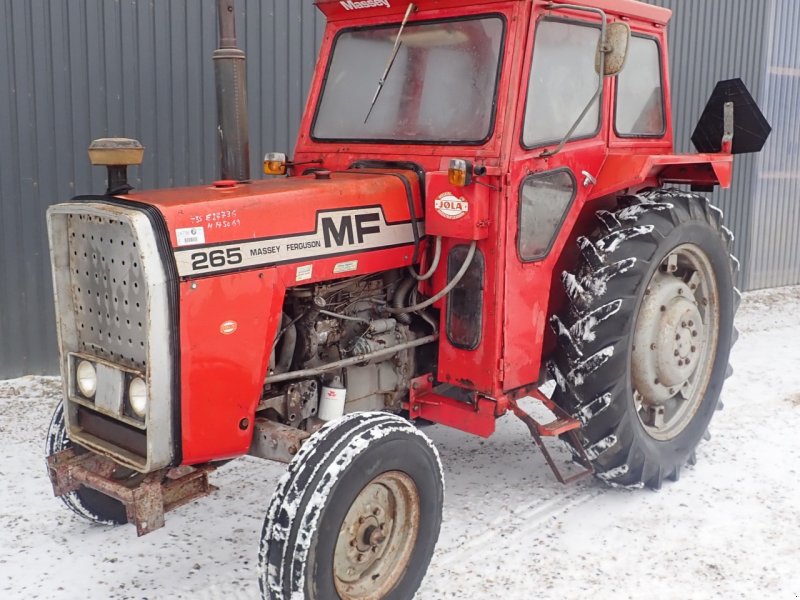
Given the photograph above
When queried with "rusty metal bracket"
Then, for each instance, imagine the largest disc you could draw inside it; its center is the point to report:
(563, 425)
(146, 499)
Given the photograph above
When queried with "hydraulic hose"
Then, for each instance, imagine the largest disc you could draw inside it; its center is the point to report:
(437, 255)
(447, 289)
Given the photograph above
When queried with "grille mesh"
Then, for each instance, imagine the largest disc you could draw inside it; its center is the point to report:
(109, 290)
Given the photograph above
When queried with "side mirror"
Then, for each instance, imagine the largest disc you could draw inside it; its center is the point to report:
(615, 47)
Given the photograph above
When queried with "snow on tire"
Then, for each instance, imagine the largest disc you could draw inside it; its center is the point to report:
(357, 514)
(87, 503)
(645, 335)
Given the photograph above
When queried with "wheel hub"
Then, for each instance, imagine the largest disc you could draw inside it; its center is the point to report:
(376, 537)
(674, 342)
(669, 340)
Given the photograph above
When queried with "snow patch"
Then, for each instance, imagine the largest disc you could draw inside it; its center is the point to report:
(728, 234)
(579, 374)
(595, 407)
(614, 473)
(632, 213)
(597, 449)
(717, 210)
(611, 243)
(586, 328)
(558, 376)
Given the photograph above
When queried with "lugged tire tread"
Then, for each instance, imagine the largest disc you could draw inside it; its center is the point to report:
(630, 233)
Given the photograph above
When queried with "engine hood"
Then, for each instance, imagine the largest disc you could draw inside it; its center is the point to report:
(217, 229)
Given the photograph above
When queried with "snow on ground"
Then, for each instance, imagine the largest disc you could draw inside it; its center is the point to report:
(729, 529)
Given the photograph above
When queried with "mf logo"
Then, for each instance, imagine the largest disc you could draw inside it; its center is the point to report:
(349, 229)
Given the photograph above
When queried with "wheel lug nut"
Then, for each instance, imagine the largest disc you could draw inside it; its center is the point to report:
(694, 334)
(652, 346)
(694, 348)
(691, 323)
(678, 337)
(663, 309)
(683, 324)
(677, 353)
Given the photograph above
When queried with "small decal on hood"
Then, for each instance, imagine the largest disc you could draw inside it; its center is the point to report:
(304, 272)
(189, 236)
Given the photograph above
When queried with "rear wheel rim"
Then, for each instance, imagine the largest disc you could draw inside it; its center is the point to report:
(675, 342)
(377, 537)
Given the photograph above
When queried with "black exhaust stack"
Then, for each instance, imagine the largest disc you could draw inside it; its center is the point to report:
(229, 70)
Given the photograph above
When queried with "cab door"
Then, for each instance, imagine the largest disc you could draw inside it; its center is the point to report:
(548, 189)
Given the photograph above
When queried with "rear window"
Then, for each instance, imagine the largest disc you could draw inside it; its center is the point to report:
(640, 93)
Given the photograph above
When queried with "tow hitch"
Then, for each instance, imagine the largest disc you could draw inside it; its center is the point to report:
(146, 499)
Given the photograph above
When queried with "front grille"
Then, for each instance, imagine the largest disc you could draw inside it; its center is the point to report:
(109, 290)
(112, 309)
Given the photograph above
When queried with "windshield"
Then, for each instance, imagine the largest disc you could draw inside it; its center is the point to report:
(440, 89)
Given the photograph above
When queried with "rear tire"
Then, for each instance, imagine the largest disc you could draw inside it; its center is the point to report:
(87, 503)
(356, 516)
(657, 273)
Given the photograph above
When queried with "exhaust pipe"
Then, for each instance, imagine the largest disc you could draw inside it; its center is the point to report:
(231, 84)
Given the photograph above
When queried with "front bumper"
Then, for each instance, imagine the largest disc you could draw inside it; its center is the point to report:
(146, 498)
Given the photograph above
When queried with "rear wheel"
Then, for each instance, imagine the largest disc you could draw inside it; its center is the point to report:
(85, 502)
(645, 337)
(357, 515)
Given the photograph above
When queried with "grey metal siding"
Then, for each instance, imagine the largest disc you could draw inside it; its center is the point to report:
(775, 220)
(711, 41)
(74, 71)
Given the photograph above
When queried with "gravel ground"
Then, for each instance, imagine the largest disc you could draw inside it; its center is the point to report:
(729, 529)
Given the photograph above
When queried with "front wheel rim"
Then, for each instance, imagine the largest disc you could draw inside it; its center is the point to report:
(377, 537)
(675, 342)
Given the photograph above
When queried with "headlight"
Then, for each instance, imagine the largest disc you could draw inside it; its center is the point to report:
(86, 377)
(137, 397)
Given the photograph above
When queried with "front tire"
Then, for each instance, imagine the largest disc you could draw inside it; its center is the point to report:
(85, 502)
(645, 337)
(357, 515)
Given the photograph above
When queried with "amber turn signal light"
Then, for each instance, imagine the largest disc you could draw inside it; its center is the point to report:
(275, 164)
(460, 172)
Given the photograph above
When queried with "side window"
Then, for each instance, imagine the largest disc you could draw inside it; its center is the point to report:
(640, 94)
(543, 203)
(562, 82)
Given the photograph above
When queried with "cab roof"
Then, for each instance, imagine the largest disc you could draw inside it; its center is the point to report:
(356, 9)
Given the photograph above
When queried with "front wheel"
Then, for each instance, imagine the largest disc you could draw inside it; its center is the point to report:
(357, 515)
(645, 337)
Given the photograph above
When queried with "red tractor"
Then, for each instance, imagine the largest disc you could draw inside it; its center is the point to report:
(477, 204)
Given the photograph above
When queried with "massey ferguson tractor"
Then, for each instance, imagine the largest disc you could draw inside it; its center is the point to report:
(481, 200)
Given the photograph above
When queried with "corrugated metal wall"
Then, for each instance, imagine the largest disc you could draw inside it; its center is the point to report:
(710, 41)
(74, 71)
(775, 220)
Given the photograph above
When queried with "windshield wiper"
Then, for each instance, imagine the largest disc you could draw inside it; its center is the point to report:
(395, 50)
